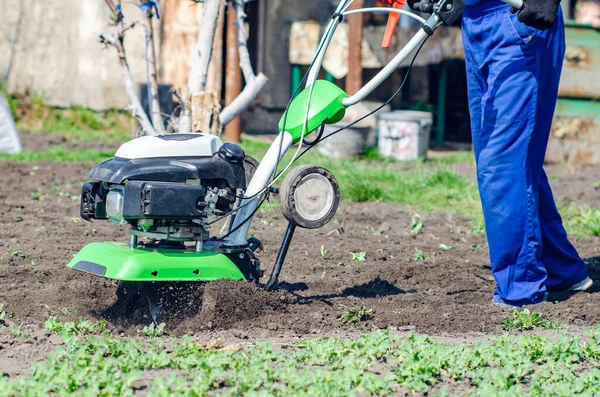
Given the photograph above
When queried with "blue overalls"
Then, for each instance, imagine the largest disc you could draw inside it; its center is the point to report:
(513, 72)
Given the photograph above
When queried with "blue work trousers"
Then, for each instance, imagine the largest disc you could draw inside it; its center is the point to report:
(513, 72)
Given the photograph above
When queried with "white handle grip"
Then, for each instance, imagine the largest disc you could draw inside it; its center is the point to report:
(518, 4)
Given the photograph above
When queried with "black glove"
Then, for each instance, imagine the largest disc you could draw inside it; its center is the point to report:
(425, 6)
(539, 14)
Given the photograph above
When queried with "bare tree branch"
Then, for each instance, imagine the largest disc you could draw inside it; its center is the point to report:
(239, 104)
(151, 70)
(117, 42)
(245, 63)
(254, 84)
(204, 48)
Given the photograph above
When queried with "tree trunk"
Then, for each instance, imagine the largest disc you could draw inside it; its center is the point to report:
(205, 113)
(199, 69)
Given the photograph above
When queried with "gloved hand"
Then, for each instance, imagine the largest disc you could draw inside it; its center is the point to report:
(538, 14)
(421, 5)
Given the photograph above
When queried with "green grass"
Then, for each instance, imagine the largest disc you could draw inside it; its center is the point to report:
(583, 221)
(32, 115)
(524, 320)
(60, 155)
(380, 363)
(356, 316)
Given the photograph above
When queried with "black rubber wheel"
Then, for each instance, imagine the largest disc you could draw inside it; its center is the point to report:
(250, 166)
(309, 196)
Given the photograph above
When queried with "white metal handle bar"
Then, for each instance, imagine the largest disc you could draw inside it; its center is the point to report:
(518, 4)
(381, 10)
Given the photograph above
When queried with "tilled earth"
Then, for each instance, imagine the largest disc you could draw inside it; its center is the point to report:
(449, 293)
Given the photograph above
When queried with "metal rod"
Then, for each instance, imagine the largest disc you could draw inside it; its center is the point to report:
(442, 94)
(381, 10)
(133, 240)
(285, 245)
(262, 34)
(313, 72)
(262, 175)
(199, 246)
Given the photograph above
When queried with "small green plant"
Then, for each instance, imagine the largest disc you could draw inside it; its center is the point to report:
(19, 254)
(478, 227)
(419, 255)
(524, 320)
(416, 225)
(447, 247)
(323, 251)
(70, 328)
(152, 330)
(37, 195)
(356, 316)
(359, 256)
(19, 331)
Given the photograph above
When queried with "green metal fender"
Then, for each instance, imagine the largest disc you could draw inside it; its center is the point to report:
(120, 262)
(325, 107)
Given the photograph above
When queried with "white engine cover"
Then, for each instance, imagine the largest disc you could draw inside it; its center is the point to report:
(170, 145)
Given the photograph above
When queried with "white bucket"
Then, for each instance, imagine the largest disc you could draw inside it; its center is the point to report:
(404, 134)
(348, 143)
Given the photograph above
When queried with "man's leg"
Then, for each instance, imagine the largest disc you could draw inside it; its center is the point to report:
(561, 260)
(563, 264)
(508, 173)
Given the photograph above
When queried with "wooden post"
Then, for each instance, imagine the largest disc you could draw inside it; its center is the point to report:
(233, 76)
(355, 38)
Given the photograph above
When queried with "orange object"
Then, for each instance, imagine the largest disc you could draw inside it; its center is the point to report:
(392, 22)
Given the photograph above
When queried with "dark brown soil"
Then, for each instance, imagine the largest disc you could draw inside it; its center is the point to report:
(449, 293)
(37, 142)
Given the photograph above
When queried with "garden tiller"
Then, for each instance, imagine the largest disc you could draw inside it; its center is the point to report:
(170, 189)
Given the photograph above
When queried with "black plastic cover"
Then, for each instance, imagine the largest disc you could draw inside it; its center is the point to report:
(93, 204)
(159, 200)
(171, 169)
(450, 11)
(232, 153)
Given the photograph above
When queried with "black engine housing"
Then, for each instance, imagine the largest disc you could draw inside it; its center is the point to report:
(165, 188)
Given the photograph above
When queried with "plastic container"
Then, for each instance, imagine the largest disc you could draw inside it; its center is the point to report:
(353, 141)
(404, 134)
(345, 144)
